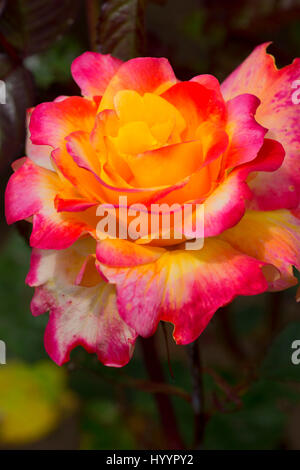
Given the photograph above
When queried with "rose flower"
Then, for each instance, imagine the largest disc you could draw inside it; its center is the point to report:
(137, 131)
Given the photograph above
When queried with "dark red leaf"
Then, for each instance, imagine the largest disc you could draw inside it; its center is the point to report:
(121, 30)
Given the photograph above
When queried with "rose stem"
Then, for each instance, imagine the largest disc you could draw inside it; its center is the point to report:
(195, 364)
(163, 401)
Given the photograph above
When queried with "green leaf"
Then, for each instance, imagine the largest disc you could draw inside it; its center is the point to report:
(278, 363)
(121, 30)
(31, 25)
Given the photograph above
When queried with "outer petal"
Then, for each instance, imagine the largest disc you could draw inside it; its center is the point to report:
(271, 236)
(40, 154)
(93, 71)
(51, 122)
(143, 74)
(85, 316)
(209, 81)
(123, 253)
(246, 136)
(226, 205)
(185, 288)
(40, 186)
(259, 75)
(72, 205)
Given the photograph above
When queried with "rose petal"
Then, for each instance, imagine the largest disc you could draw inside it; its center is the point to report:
(93, 71)
(51, 122)
(85, 316)
(50, 229)
(143, 74)
(271, 236)
(196, 104)
(226, 204)
(246, 136)
(259, 76)
(40, 154)
(183, 287)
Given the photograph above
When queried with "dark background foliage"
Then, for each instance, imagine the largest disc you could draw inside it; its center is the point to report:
(251, 388)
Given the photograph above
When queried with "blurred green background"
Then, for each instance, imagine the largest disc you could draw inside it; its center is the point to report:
(251, 387)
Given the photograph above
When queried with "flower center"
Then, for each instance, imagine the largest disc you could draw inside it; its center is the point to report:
(145, 122)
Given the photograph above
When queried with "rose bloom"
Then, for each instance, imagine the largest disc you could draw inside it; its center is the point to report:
(137, 131)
